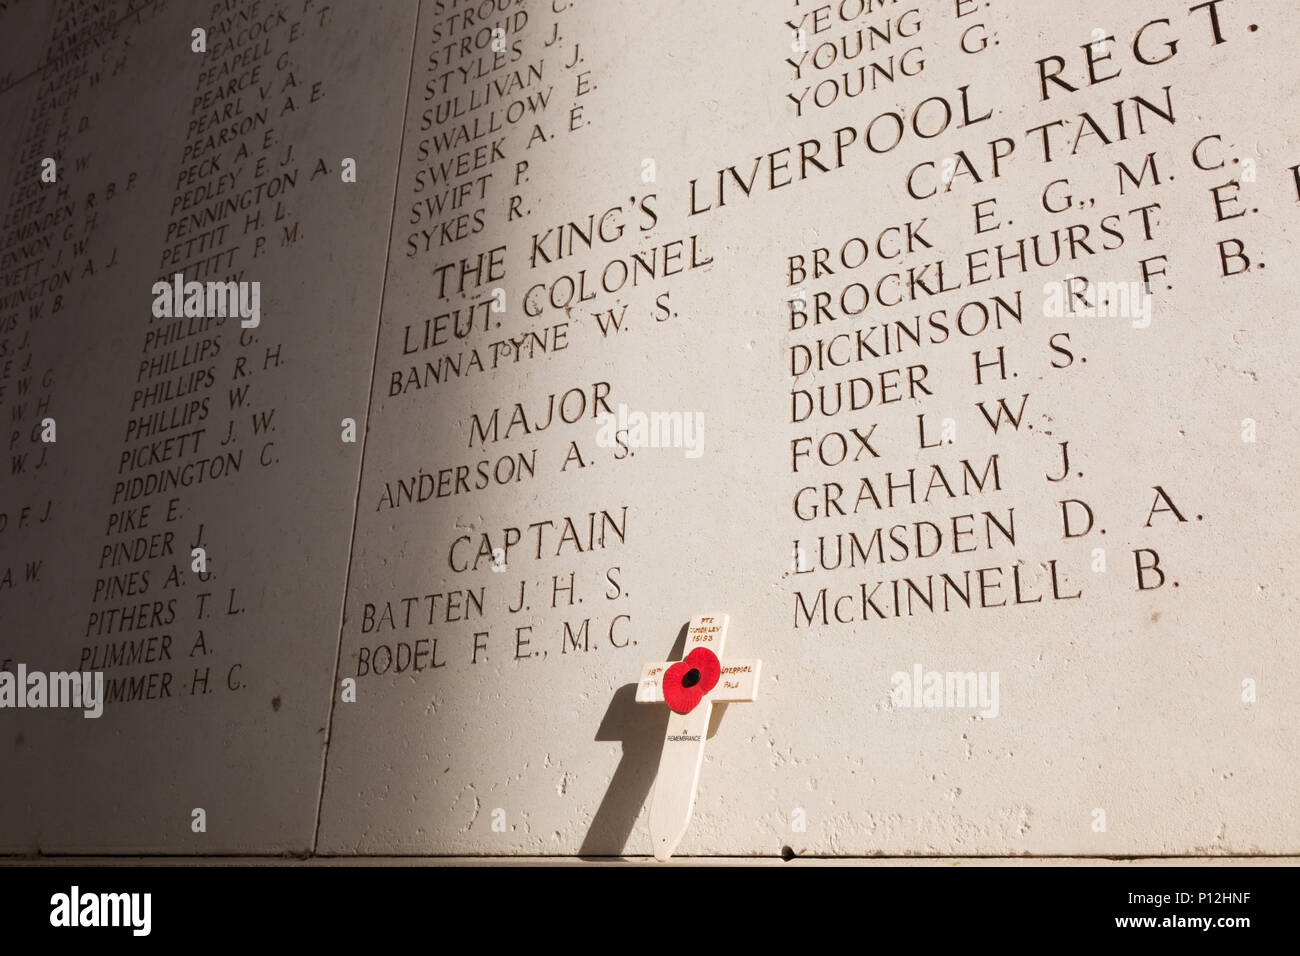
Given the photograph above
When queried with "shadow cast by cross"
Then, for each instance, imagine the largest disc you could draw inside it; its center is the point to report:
(641, 730)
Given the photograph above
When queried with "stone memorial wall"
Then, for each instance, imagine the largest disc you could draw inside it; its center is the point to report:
(382, 385)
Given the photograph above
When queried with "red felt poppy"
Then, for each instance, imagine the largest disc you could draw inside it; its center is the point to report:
(687, 681)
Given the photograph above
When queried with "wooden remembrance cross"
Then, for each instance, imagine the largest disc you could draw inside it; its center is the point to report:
(690, 687)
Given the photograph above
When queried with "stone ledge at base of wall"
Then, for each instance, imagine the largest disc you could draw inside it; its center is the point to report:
(882, 861)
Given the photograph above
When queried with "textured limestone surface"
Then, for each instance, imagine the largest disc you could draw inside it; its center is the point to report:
(944, 346)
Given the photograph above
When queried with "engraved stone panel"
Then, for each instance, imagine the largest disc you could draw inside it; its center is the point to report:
(180, 432)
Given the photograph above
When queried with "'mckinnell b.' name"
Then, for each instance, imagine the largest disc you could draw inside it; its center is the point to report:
(989, 587)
